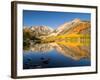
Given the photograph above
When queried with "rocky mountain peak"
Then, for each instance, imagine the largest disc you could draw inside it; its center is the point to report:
(76, 20)
(65, 28)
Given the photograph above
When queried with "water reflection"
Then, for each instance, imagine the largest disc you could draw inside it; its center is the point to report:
(57, 54)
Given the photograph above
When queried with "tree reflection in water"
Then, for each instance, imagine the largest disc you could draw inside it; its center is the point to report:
(40, 55)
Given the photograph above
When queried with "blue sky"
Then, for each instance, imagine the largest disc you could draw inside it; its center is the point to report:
(52, 19)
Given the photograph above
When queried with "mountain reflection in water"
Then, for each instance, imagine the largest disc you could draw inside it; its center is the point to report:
(56, 54)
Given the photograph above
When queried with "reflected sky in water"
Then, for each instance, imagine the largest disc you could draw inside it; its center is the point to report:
(56, 55)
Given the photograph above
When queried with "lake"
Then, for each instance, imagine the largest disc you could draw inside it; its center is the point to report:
(57, 55)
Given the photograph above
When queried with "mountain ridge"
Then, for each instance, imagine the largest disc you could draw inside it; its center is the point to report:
(76, 26)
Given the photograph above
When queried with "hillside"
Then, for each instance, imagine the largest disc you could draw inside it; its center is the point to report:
(72, 29)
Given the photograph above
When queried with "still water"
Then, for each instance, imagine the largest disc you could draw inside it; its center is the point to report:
(55, 55)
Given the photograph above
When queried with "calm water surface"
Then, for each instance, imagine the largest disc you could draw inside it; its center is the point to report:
(54, 55)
